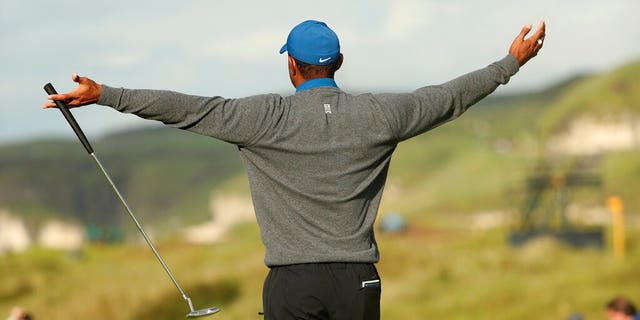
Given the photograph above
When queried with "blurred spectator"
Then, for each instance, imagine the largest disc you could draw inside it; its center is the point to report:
(392, 223)
(575, 316)
(619, 308)
(18, 313)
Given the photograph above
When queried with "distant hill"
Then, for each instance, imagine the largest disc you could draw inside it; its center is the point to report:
(470, 165)
(608, 96)
(165, 175)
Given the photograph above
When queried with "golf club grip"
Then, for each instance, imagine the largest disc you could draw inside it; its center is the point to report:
(67, 115)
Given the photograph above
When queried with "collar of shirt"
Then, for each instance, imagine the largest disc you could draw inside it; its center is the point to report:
(318, 82)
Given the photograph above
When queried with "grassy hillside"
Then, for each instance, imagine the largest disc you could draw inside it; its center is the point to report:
(166, 175)
(611, 96)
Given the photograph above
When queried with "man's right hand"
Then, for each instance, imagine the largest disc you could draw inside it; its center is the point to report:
(87, 92)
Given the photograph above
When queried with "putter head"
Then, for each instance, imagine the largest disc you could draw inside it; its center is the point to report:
(202, 312)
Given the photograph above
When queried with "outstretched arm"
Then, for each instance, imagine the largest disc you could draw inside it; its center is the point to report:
(237, 121)
(87, 92)
(414, 113)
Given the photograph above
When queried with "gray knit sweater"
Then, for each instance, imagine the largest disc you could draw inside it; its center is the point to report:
(317, 161)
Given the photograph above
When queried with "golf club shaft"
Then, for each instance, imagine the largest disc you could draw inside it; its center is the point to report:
(137, 223)
(85, 142)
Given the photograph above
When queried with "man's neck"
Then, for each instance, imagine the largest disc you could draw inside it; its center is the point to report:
(316, 82)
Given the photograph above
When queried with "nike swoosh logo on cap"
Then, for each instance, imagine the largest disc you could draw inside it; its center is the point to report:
(324, 60)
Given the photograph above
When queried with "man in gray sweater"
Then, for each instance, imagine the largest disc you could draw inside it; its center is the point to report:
(317, 162)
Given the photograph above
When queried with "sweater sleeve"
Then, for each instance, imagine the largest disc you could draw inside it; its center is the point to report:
(237, 121)
(411, 114)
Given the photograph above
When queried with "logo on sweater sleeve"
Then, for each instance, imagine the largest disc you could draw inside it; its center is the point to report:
(327, 108)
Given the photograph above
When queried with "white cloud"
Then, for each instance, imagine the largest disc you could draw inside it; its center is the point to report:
(254, 45)
(405, 18)
(123, 59)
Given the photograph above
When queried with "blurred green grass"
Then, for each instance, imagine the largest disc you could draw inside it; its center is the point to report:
(428, 272)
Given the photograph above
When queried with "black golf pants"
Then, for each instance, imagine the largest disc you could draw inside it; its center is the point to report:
(327, 291)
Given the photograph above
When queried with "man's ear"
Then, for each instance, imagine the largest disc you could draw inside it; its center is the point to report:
(293, 68)
(340, 60)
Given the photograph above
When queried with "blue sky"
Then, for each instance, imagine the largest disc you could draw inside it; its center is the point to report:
(230, 48)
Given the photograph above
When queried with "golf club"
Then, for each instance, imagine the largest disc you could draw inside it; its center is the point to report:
(72, 121)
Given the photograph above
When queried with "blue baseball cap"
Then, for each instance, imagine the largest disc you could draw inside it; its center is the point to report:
(313, 42)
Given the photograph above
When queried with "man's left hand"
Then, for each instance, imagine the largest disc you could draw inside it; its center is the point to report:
(524, 49)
